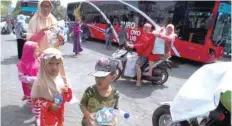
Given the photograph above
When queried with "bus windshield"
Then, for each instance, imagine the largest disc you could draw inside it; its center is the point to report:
(222, 29)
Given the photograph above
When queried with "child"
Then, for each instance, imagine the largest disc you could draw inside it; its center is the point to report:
(48, 85)
(102, 94)
(28, 67)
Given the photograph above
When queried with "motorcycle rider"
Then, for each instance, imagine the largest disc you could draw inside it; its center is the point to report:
(143, 48)
(168, 34)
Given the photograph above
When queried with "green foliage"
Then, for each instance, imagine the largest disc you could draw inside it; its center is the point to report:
(58, 11)
(4, 6)
(17, 9)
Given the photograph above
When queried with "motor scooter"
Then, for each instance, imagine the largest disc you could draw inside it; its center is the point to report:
(204, 100)
(159, 73)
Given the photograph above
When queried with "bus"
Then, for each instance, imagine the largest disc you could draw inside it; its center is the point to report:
(29, 7)
(199, 25)
(26, 7)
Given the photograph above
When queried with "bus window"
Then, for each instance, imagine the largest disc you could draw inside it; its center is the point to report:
(160, 11)
(195, 27)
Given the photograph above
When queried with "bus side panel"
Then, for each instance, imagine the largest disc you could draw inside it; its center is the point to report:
(189, 50)
(209, 58)
(219, 51)
(97, 31)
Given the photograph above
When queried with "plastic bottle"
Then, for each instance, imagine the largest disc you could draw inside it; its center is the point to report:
(107, 115)
(123, 114)
(58, 99)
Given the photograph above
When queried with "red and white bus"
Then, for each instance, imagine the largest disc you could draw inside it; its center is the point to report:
(198, 24)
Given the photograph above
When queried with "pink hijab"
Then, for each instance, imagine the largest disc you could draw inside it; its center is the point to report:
(39, 22)
(28, 64)
(172, 35)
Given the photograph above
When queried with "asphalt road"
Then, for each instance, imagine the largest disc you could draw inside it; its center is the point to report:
(139, 103)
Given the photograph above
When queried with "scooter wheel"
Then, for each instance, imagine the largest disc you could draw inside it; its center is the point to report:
(162, 117)
(119, 73)
(162, 74)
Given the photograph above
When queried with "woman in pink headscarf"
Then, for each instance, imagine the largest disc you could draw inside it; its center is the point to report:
(40, 23)
(168, 35)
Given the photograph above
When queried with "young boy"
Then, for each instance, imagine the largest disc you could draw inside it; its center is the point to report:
(102, 94)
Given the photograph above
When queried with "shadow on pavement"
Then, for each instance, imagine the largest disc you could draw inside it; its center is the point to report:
(184, 68)
(226, 58)
(99, 47)
(10, 60)
(11, 40)
(126, 87)
(13, 115)
(69, 56)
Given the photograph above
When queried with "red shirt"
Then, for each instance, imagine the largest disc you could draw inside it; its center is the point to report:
(49, 117)
(145, 44)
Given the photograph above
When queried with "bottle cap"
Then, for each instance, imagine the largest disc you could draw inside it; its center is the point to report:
(126, 115)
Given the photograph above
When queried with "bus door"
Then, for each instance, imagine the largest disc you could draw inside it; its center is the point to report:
(193, 33)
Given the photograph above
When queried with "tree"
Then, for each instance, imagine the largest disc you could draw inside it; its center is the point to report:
(58, 11)
(17, 9)
(4, 7)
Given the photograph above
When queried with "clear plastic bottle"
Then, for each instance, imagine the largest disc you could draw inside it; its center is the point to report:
(58, 99)
(106, 116)
(125, 116)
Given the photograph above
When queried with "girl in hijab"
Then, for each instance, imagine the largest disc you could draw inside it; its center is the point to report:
(168, 35)
(50, 86)
(40, 24)
(28, 67)
(76, 34)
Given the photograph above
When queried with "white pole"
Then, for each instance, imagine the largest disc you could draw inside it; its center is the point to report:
(107, 20)
(142, 13)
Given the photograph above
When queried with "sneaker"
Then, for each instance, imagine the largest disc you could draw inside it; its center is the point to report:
(37, 122)
(24, 98)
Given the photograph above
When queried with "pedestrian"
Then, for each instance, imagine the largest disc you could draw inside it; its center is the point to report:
(48, 85)
(28, 67)
(76, 34)
(84, 33)
(102, 94)
(108, 36)
(21, 39)
(40, 25)
(122, 35)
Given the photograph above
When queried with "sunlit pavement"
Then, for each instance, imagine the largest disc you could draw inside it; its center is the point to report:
(139, 103)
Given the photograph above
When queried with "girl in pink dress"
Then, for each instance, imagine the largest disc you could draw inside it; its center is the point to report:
(28, 68)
